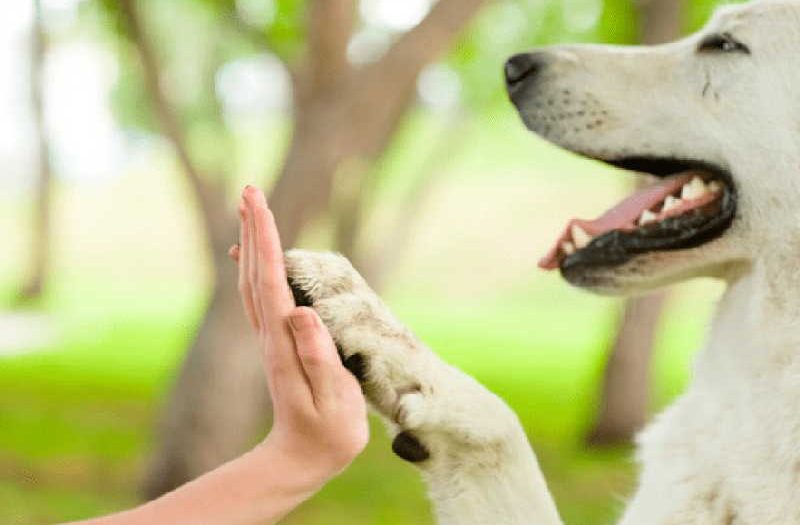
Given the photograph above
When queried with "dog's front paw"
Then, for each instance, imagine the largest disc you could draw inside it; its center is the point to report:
(375, 347)
(431, 406)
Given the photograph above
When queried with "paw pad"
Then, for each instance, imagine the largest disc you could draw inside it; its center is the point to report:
(409, 448)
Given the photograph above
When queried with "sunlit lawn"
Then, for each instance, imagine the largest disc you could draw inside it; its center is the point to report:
(76, 419)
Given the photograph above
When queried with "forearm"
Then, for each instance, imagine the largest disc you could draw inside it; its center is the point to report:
(320, 422)
(257, 488)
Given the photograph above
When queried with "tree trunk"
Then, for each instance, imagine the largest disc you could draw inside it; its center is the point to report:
(660, 20)
(40, 235)
(349, 199)
(626, 390)
(353, 119)
(626, 385)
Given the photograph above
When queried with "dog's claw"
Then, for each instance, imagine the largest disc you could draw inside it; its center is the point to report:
(301, 298)
(357, 365)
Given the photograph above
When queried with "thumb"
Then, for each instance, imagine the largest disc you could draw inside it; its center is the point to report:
(317, 352)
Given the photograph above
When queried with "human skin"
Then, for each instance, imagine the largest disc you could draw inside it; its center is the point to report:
(320, 422)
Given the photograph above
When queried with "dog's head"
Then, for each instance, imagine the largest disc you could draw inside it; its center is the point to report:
(714, 117)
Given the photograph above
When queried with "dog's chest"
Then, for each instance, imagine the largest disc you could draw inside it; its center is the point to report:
(727, 452)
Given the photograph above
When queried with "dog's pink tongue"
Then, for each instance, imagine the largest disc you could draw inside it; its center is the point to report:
(623, 216)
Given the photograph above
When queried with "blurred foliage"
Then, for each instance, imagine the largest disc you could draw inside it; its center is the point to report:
(511, 26)
(196, 38)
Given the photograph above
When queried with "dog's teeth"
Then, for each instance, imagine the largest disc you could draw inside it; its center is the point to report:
(694, 189)
(647, 217)
(714, 186)
(671, 203)
(567, 247)
(580, 237)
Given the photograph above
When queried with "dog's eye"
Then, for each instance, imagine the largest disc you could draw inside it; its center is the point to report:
(722, 43)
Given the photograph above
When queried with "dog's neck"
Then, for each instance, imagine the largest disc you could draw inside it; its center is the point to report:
(757, 324)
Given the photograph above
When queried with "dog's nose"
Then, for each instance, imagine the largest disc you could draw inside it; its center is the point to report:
(524, 66)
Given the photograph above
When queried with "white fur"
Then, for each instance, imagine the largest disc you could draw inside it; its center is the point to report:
(728, 451)
(481, 469)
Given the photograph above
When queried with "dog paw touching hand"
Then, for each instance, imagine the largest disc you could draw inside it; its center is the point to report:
(433, 409)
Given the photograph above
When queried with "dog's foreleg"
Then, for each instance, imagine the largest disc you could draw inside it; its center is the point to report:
(468, 444)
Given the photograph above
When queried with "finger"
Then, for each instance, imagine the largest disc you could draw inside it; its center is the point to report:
(268, 274)
(274, 301)
(254, 266)
(252, 259)
(233, 252)
(245, 288)
(269, 254)
(317, 353)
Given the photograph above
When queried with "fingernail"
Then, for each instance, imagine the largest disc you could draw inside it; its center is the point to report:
(302, 320)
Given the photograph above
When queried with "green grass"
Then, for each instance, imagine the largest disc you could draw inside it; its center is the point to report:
(77, 420)
(77, 425)
(77, 417)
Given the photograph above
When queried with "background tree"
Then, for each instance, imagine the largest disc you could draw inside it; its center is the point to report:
(625, 394)
(40, 234)
(343, 116)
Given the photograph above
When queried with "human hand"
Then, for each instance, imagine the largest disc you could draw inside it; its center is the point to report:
(319, 410)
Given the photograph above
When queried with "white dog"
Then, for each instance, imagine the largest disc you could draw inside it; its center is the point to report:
(716, 118)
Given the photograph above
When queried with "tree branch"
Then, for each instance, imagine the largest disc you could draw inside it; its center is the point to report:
(207, 194)
(330, 28)
(358, 116)
(427, 41)
(393, 79)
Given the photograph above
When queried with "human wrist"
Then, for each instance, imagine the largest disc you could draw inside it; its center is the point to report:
(305, 467)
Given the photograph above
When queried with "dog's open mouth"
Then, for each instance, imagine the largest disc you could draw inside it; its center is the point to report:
(691, 204)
